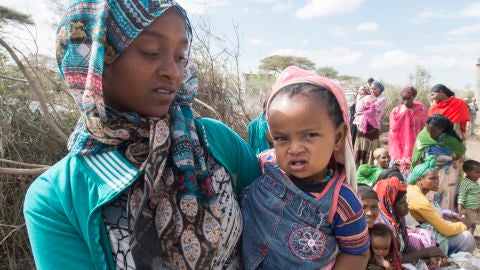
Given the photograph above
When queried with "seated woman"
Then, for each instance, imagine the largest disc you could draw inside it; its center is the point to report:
(452, 237)
(368, 173)
(393, 206)
(371, 208)
(438, 139)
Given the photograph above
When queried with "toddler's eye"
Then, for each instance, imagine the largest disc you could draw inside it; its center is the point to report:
(280, 139)
(310, 135)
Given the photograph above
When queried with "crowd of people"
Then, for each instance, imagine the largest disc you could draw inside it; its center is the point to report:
(147, 185)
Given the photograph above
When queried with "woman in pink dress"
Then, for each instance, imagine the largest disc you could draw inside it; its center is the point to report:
(406, 121)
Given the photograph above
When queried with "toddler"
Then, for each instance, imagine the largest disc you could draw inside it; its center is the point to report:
(469, 193)
(303, 212)
(384, 254)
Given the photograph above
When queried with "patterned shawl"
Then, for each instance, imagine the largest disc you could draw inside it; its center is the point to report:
(424, 141)
(293, 75)
(387, 190)
(90, 36)
(454, 109)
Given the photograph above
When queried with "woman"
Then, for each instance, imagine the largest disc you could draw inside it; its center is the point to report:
(368, 117)
(455, 109)
(145, 185)
(371, 208)
(406, 121)
(452, 237)
(393, 206)
(438, 139)
(367, 173)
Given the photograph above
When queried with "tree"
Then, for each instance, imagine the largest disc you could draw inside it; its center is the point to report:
(421, 80)
(328, 72)
(277, 63)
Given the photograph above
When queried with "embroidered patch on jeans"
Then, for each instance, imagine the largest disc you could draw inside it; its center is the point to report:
(307, 242)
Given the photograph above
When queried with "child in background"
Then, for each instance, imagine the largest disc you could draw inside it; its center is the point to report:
(384, 254)
(303, 212)
(469, 193)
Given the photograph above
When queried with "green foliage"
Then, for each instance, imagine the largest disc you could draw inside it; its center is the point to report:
(277, 63)
(13, 15)
(328, 72)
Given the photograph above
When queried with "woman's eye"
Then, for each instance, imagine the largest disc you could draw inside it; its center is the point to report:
(181, 59)
(150, 54)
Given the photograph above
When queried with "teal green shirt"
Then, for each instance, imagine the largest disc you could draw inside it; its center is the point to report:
(63, 206)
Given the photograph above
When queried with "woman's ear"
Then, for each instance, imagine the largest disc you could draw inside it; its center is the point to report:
(340, 136)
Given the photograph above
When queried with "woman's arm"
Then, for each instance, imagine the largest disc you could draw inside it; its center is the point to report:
(55, 241)
(349, 261)
(422, 207)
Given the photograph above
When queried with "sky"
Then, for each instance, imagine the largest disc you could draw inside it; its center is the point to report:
(385, 40)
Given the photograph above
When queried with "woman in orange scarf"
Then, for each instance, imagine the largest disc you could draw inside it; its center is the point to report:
(455, 109)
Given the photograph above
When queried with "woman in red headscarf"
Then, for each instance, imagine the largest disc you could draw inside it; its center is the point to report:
(455, 109)
(392, 201)
(406, 121)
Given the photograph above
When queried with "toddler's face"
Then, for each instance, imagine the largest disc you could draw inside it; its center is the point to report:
(304, 136)
(381, 245)
(474, 174)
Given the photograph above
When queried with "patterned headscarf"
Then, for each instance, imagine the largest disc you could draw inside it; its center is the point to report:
(294, 75)
(408, 92)
(421, 169)
(90, 36)
(387, 190)
(379, 85)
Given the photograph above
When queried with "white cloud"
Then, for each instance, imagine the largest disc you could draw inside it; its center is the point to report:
(338, 32)
(367, 27)
(472, 10)
(281, 7)
(200, 6)
(256, 42)
(393, 59)
(374, 43)
(323, 8)
(305, 42)
(324, 57)
(429, 14)
(466, 30)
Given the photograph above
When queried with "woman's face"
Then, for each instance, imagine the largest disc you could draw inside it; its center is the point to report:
(434, 131)
(429, 182)
(400, 208)
(375, 90)
(147, 75)
(438, 96)
(383, 159)
(408, 101)
(371, 210)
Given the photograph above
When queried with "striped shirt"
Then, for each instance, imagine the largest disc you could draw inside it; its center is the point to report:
(469, 194)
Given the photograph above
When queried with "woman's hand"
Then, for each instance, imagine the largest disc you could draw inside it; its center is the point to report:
(440, 261)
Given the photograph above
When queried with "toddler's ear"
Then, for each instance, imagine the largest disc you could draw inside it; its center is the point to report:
(340, 136)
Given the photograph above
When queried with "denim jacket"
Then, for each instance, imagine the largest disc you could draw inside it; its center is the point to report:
(284, 228)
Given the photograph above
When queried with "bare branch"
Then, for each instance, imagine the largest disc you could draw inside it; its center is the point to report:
(11, 232)
(22, 164)
(36, 88)
(13, 79)
(15, 171)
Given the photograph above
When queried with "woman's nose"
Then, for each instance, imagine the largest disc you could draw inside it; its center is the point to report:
(169, 68)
